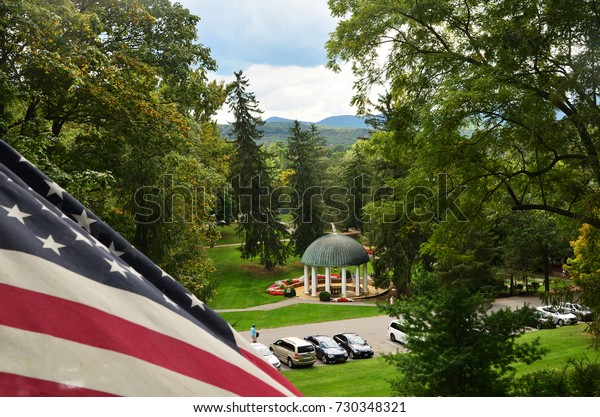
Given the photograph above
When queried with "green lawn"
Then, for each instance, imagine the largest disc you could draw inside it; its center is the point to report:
(298, 314)
(355, 378)
(368, 377)
(241, 283)
(228, 235)
(563, 343)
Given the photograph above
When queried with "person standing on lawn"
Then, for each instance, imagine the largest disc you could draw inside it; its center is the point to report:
(253, 333)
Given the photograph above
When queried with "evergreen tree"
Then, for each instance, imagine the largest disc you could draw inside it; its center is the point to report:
(305, 151)
(259, 227)
(457, 346)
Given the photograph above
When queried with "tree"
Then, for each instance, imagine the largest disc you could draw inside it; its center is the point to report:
(504, 92)
(584, 268)
(533, 241)
(262, 232)
(464, 252)
(111, 99)
(457, 347)
(305, 150)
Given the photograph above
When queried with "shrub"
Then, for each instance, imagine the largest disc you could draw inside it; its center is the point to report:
(324, 296)
(282, 286)
(289, 292)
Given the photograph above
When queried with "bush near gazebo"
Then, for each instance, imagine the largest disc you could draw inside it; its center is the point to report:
(289, 292)
(324, 296)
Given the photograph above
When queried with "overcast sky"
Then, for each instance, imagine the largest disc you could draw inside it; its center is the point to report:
(280, 47)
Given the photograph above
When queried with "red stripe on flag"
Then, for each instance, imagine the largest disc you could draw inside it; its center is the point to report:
(21, 386)
(87, 325)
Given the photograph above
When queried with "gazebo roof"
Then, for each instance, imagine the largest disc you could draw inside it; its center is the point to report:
(335, 250)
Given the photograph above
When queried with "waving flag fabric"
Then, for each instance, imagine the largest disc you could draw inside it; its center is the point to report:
(83, 313)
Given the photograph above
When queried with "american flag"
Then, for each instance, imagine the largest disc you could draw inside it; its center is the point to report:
(84, 313)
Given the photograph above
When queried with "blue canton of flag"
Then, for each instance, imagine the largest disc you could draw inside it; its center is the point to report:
(82, 312)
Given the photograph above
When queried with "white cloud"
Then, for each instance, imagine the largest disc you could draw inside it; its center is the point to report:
(274, 32)
(306, 94)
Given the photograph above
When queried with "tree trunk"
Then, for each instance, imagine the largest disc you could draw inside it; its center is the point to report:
(512, 284)
(546, 274)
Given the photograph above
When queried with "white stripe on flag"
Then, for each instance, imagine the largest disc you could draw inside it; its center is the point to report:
(103, 370)
(32, 273)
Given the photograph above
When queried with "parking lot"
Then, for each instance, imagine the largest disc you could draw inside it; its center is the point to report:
(373, 329)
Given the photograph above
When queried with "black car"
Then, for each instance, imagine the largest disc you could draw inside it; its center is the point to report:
(355, 345)
(327, 349)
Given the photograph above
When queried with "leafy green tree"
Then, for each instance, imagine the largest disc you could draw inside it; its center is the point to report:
(584, 268)
(305, 150)
(262, 232)
(464, 252)
(504, 92)
(357, 177)
(533, 241)
(110, 98)
(457, 346)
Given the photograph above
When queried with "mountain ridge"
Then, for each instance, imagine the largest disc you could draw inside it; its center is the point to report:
(344, 120)
(336, 130)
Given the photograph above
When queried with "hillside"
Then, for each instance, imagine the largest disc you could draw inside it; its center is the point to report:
(336, 130)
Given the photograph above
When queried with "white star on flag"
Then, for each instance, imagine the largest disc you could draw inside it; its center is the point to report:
(135, 273)
(168, 300)
(80, 237)
(115, 267)
(16, 213)
(54, 189)
(83, 220)
(164, 274)
(195, 301)
(49, 243)
(114, 251)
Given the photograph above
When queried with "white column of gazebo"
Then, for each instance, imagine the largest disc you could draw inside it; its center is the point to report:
(311, 281)
(335, 250)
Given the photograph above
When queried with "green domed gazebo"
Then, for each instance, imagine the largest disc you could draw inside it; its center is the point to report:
(334, 250)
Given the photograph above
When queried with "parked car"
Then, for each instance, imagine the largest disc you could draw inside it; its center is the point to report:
(397, 332)
(558, 317)
(294, 351)
(583, 313)
(355, 345)
(268, 355)
(540, 320)
(327, 349)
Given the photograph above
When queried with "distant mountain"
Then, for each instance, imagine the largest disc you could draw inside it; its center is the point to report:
(333, 121)
(337, 130)
(344, 121)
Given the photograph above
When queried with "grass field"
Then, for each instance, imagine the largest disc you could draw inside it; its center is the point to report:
(228, 235)
(355, 378)
(241, 283)
(298, 314)
(563, 343)
(341, 379)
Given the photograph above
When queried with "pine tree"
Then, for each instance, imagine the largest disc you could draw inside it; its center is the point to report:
(259, 227)
(304, 152)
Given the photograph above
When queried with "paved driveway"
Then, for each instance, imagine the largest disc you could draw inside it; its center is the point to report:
(373, 329)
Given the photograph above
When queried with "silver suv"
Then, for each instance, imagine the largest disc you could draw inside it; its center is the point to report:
(294, 351)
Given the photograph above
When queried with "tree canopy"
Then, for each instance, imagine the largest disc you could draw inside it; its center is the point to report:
(111, 100)
(504, 93)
